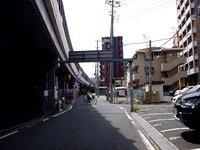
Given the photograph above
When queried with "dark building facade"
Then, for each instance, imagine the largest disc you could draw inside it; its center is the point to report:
(118, 71)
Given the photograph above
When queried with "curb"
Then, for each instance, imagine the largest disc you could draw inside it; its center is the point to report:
(156, 138)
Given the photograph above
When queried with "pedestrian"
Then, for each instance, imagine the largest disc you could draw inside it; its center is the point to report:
(63, 104)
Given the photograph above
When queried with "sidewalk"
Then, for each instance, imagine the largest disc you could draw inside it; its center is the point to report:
(157, 140)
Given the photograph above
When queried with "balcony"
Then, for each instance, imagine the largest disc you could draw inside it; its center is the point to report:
(192, 58)
(183, 40)
(193, 71)
(175, 78)
(169, 66)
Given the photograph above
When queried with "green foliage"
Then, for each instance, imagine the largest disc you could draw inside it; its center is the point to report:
(136, 109)
(110, 101)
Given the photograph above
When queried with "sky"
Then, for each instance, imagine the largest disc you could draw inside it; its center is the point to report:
(138, 21)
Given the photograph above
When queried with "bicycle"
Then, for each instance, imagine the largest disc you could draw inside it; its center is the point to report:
(90, 99)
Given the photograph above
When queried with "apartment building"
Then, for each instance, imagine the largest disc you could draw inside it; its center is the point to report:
(188, 13)
(158, 66)
(118, 67)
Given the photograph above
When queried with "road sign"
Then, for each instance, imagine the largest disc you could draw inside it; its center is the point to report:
(90, 55)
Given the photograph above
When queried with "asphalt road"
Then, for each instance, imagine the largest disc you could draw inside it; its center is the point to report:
(85, 127)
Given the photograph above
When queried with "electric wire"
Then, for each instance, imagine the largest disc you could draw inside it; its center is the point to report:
(126, 2)
(147, 42)
(143, 11)
(153, 41)
(139, 14)
(103, 24)
(168, 39)
(147, 7)
(151, 9)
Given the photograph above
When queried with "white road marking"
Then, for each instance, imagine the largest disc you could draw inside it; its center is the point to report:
(174, 129)
(144, 139)
(147, 117)
(174, 138)
(8, 135)
(30, 125)
(158, 124)
(45, 119)
(58, 114)
(161, 119)
(146, 142)
(152, 114)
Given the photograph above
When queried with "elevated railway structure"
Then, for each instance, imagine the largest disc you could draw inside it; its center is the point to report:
(33, 34)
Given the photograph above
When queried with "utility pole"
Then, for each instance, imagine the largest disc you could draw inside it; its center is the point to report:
(146, 53)
(150, 71)
(107, 79)
(113, 4)
(131, 84)
(111, 46)
(97, 75)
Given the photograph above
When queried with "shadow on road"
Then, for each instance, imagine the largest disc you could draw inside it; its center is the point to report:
(191, 136)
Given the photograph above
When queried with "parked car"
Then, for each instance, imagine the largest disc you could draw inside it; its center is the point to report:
(171, 93)
(195, 88)
(187, 110)
(178, 92)
(182, 92)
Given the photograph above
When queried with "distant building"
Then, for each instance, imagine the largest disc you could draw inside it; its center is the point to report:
(164, 63)
(118, 67)
(189, 38)
(176, 40)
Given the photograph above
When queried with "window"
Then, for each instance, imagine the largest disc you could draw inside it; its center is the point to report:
(147, 70)
(156, 54)
(147, 57)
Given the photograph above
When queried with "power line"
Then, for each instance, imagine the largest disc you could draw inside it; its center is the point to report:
(148, 7)
(102, 23)
(128, 2)
(143, 11)
(168, 39)
(147, 42)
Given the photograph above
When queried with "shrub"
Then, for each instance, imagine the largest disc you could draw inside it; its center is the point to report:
(136, 109)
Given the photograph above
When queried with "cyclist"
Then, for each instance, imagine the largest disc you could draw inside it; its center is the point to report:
(89, 97)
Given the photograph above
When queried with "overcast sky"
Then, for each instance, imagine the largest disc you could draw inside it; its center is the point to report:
(138, 21)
